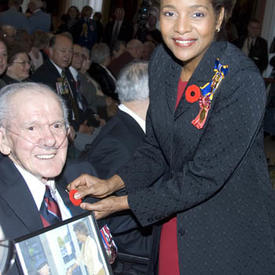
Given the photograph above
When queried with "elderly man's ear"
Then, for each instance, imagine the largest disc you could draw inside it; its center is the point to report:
(4, 144)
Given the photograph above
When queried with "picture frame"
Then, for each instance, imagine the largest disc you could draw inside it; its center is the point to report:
(73, 247)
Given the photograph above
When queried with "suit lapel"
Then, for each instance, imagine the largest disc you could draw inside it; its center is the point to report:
(173, 70)
(18, 197)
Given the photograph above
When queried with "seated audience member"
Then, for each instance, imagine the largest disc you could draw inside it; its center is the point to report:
(55, 73)
(3, 61)
(14, 17)
(106, 107)
(33, 138)
(254, 46)
(148, 48)
(39, 20)
(134, 49)
(19, 65)
(40, 42)
(115, 145)
(86, 87)
(101, 57)
(91, 114)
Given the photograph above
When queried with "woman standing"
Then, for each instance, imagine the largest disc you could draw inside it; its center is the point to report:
(204, 140)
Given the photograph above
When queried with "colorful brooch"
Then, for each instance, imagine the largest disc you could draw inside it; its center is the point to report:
(205, 94)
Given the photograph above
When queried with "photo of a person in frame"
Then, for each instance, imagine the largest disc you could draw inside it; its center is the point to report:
(88, 253)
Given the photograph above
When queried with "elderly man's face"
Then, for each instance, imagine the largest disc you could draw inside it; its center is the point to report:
(61, 53)
(36, 136)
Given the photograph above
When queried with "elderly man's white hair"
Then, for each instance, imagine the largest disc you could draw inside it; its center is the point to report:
(7, 92)
(132, 83)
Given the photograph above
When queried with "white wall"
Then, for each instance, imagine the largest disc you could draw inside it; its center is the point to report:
(268, 29)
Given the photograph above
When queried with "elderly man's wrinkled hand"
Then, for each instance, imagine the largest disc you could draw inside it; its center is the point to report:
(107, 206)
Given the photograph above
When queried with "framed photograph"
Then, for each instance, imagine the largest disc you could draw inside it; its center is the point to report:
(73, 247)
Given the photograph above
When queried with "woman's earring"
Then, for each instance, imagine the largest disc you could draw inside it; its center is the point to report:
(218, 29)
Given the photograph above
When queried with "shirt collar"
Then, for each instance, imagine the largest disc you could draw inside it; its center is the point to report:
(57, 67)
(74, 72)
(36, 186)
(139, 120)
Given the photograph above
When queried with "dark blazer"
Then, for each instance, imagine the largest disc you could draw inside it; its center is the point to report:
(215, 179)
(18, 212)
(112, 148)
(258, 52)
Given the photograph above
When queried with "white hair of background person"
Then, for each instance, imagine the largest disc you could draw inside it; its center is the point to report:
(132, 83)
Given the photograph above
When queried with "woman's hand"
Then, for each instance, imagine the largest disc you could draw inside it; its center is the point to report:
(107, 206)
(95, 187)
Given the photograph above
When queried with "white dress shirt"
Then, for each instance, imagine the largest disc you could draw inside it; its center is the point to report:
(38, 188)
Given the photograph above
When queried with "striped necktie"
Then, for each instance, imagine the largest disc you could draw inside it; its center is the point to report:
(49, 210)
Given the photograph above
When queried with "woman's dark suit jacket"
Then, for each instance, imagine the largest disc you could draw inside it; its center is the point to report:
(215, 178)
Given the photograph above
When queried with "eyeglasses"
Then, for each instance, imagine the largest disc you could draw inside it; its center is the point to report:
(24, 63)
(7, 255)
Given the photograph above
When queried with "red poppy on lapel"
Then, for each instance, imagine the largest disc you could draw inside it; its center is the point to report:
(192, 94)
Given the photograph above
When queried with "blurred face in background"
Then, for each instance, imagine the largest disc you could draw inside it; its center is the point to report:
(254, 29)
(19, 69)
(3, 57)
(73, 12)
(77, 59)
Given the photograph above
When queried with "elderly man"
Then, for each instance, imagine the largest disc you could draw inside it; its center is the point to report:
(33, 138)
(55, 73)
(114, 146)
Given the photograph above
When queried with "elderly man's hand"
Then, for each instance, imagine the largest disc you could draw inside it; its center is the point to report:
(95, 187)
(107, 206)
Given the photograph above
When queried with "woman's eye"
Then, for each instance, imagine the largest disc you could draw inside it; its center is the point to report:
(168, 13)
(198, 14)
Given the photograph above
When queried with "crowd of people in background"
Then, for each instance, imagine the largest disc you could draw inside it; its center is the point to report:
(90, 54)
